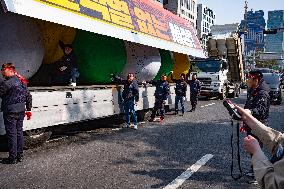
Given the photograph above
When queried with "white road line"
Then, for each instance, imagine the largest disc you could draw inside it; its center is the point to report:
(245, 92)
(189, 172)
(202, 106)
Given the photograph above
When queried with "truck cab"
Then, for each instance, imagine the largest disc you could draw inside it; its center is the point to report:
(212, 73)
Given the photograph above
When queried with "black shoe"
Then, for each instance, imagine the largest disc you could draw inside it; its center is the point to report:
(176, 113)
(20, 158)
(192, 110)
(9, 161)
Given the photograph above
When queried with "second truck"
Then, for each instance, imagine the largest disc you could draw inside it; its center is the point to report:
(222, 72)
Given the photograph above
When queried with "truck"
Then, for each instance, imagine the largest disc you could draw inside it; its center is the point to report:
(63, 105)
(222, 73)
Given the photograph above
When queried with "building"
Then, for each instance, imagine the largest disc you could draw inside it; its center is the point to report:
(253, 26)
(159, 2)
(186, 9)
(206, 18)
(275, 42)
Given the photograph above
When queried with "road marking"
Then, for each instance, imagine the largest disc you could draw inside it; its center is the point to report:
(57, 139)
(245, 92)
(189, 172)
(207, 105)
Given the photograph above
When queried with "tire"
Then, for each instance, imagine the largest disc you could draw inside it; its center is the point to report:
(36, 137)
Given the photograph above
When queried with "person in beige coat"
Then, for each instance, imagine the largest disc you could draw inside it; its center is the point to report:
(268, 175)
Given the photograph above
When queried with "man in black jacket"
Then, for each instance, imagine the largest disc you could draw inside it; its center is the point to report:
(195, 86)
(180, 90)
(130, 96)
(258, 100)
(67, 68)
(161, 95)
(16, 100)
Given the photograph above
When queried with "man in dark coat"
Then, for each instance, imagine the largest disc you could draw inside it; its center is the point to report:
(67, 68)
(195, 86)
(258, 101)
(180, 91)
(161, 95)
(130, 97)
(16, 103)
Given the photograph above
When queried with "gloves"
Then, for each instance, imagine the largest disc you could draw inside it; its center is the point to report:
(28, 114)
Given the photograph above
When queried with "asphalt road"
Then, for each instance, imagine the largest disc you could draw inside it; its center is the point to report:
(150, 157)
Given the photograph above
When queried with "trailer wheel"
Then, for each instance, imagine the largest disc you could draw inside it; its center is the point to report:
(36, 137)
(238, 92)
(223, 95)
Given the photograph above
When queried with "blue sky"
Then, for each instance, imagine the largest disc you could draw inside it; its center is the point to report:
(232, 11)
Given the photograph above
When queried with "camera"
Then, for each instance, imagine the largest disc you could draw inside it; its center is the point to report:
(232, 110)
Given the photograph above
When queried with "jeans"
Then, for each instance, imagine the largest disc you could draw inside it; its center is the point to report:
(177, 100)
(159, 105)
(129, 107)
(193, 100)
(74, 75)
(14, 130)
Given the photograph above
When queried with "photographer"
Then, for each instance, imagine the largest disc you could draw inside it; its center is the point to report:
(269, 173)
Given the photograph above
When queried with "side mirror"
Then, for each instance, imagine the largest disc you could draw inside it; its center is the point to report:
(224, 66)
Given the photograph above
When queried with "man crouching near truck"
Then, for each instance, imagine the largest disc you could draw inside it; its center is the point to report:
(16, 103)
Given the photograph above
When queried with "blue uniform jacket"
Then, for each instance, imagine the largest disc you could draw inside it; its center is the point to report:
(130, 89)
(162, 89)
(15, 96)
(181, 86)
(195, 86)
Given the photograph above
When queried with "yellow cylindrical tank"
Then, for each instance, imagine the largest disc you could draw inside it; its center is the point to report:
(51, 34)
(181, 65)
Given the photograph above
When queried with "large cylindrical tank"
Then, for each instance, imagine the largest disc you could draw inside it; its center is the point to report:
(143, 61)
(20, 43)
(181, 65)
(98, 57)
(167, 63)
(51, 34)
(222, 49)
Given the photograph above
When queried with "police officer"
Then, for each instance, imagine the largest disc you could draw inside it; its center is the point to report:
(67, 66)
(258, 102)
(180, 91)
(195, 86)
(161, 95)
(130, 97)
(16, 103)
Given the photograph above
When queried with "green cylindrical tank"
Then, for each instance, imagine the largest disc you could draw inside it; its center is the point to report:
(167, 63)
(98, 57)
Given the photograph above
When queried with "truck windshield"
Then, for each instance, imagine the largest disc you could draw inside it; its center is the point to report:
(206, 66)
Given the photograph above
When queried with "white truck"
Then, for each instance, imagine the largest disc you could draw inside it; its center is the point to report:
(222, 73)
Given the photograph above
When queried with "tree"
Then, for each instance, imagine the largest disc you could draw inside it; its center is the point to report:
(266, 63)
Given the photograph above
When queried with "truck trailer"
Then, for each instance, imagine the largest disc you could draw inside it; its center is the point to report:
(138, 27)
